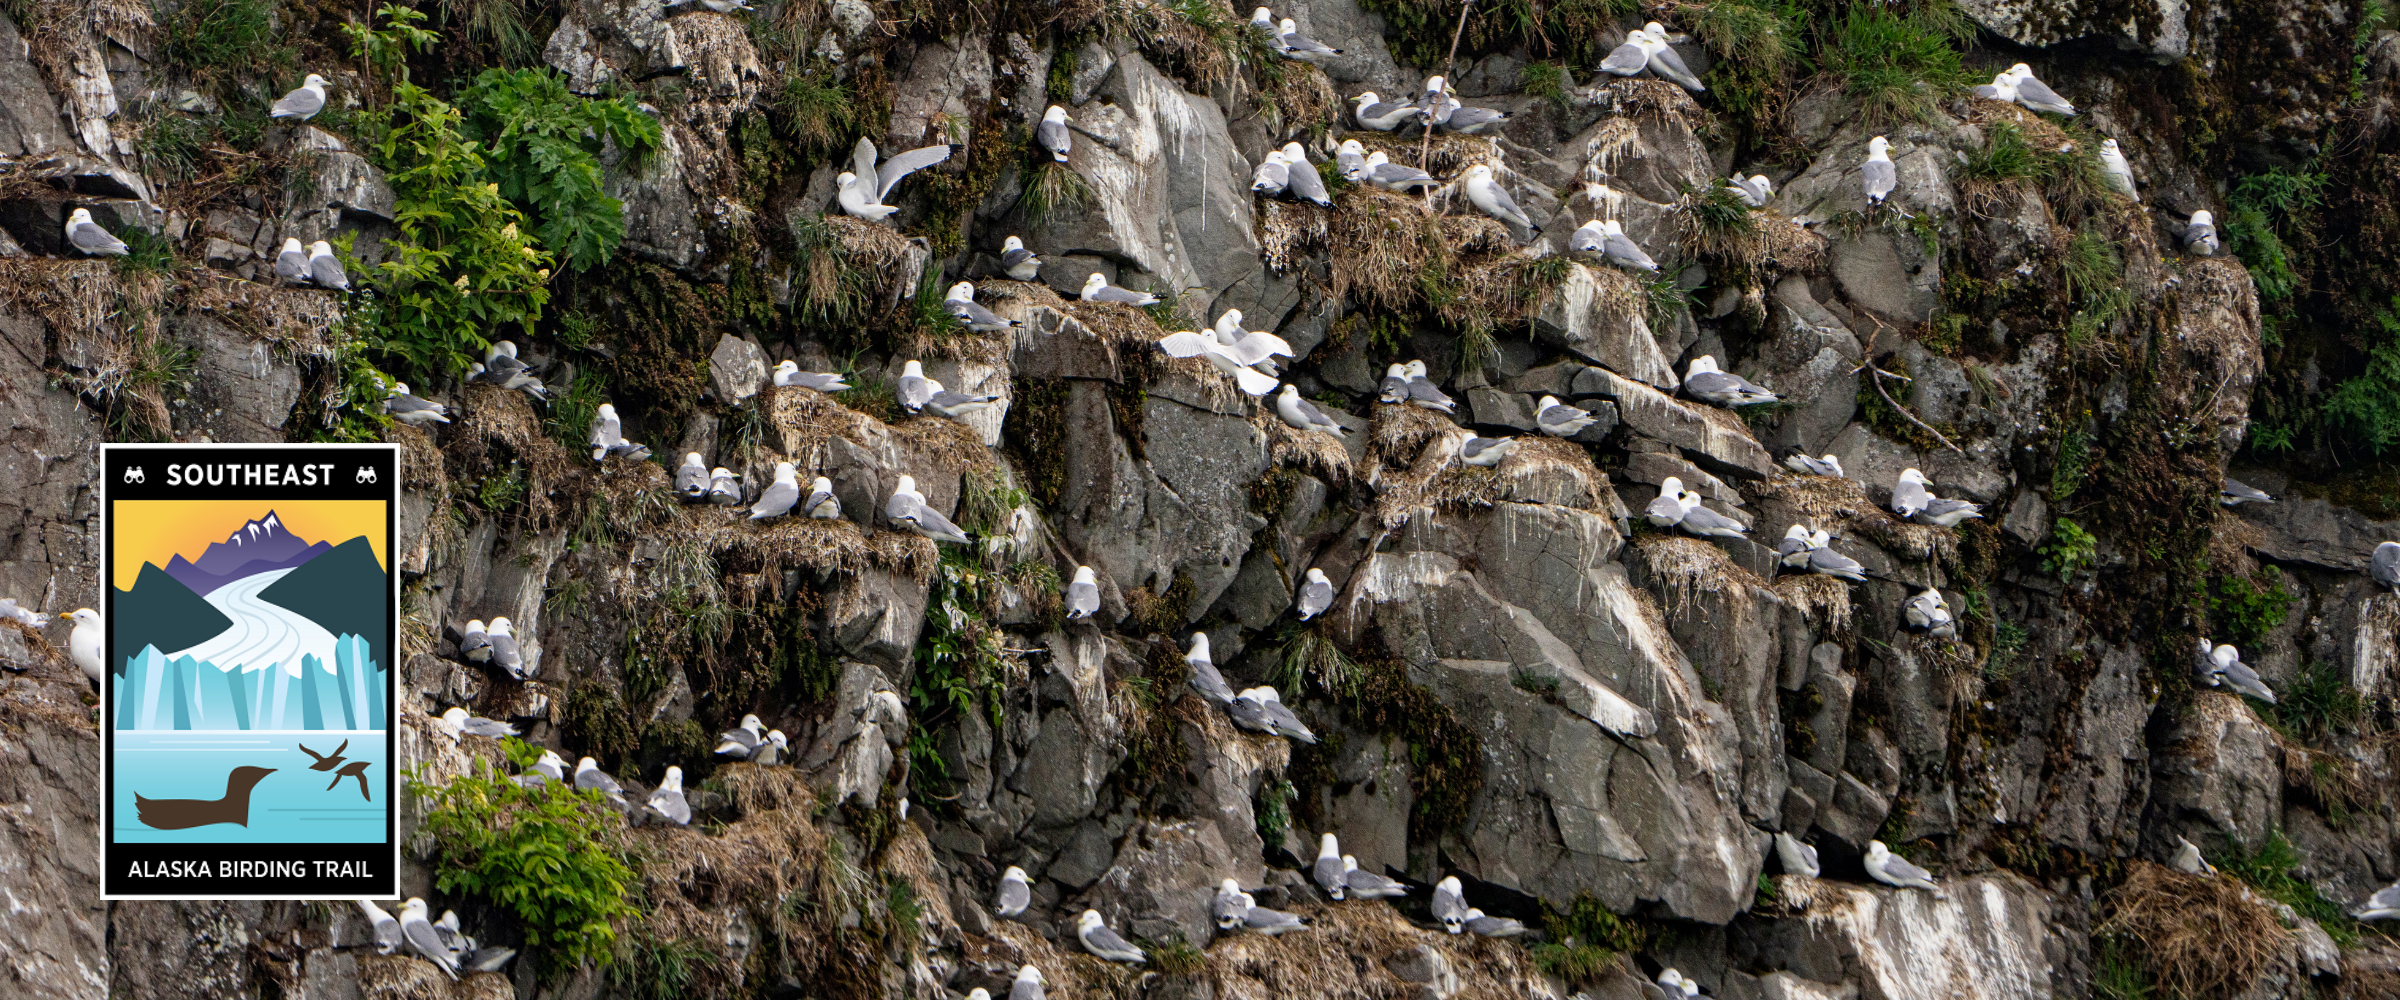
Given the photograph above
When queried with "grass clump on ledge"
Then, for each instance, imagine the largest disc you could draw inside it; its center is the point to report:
(552, 855)
(1894, 66)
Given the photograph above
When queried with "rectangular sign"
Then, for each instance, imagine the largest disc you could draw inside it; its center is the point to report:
(251, 617)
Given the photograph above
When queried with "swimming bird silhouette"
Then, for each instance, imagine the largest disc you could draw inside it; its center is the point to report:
(354, 769)
(325, 761)
(183, 814)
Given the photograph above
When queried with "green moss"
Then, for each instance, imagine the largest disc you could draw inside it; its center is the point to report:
(1548, 81)
(1585, 939)
(1881, 417)
(2272, 870)
(2005, 156)
(1034, 435)
(1445, 756)
(596, 722)
(1163, 613)
(2244, 611)
(683, 742)
(1178, 958)
(2318, 701)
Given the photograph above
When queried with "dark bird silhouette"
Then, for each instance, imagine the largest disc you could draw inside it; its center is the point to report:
(183, 814)
(354, 769)
(325, 761)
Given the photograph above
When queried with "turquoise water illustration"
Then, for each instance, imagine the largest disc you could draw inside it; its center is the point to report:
(185, 773)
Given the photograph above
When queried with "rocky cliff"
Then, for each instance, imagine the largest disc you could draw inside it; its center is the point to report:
(1598, 724)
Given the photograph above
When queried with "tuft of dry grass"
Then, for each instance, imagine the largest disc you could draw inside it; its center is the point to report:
(1682, 569)
(835, 546)
(407, 977)
(1396, 432)
(491, 426)
(805, 422)
(1823, 600)
(1291, 236)
(1384, 245)
(1649, 100)
(1449, 156)
(1313, 452)
(2199, 936)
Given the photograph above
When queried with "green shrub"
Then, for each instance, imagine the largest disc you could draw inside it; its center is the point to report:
(2068, 550)
(551, 855)
(1548, 81)
(2318, 701)
(2270, 871)
(1894, 66)
(2005, 156)
(2244, 612)
(1585, 939)
(216, 41)
(543, 144)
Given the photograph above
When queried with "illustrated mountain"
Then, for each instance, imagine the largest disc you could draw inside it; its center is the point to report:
(162, 611)
(256, 547)
(343, 590)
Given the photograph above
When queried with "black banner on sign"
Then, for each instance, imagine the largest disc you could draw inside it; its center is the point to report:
(248, 635)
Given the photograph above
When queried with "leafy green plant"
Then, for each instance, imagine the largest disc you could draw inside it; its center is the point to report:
(1895, 66)
(551, 855)
(497, 24)
(386, 49)
(1052, 192)
(2073, 463)
(2119, 976)
(461, 267)
(2090, 264)
(1585, 939)
(2318, 701)
(2368, 405)
(2068, 550)
(2243, 612)
(2008, 640)
(543, 145)
(1273, 811)
(2270, 871)
(1548, 81)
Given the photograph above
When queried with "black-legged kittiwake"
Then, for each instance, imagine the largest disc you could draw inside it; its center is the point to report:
(666, 801)
(418, 933)
(2113, 167)
(1316, 594)
(11, 610)
(2188, 859)
(1450, 904)
(475, 642)
(85, 235)
(1383, 173)
(1894, 870)
(1016, 893)
(691, 478)
(1929, 612)
(590, 778)
(506, 654)
(1298, 46)
(2383, 905)
(1704, 381)
(1376, 113)
(907, 507)
(1205, 678)
(408, 408)
(1486, 452)
(788, 373)
(1591, 237)
(2225, 668)
(1798, 858)
(961, 303)
(1664, 62)
(780, 496)
(1328, 872)
(1097, 289)
(723, 486)
(1486, 925)
(1285, 723)
(1304, 415)
(1700, 520)
(1620, 249)
(607, 431)
(1753, 190)
(2383, 566)
(1559, 419)
(1052, 135)
(914, 389)
(865, 185)
(1229, 905)
(1629, 58)
(1105, 943)
(1484, 190)
(742, 741)
(325, 269)
(1823, 559)
(1249, 712)
(1368, 885)
(291, 263)
(1879, 176)
(1018, 262)
(1792, 552)
(384, 926)
(1271, 175)
(2036, 95)
(821, 504)
(955, 405)
(1083, 594)
(303, 103)
(456, 722)
(2200, 235)
(1304, 183)
(1824, 466)
(1028, 985)
(1912, 500)
(1351, 158)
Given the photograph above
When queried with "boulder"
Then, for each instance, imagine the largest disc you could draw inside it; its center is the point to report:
(1597, 315)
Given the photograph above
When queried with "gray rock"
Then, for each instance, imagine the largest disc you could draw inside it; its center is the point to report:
(1162, 881)
(240, 391)
(1647, 411)
(1854, 813)
(850, 756)
(1589, 316)
(1495, 409)
(2226, 775)
(736, 369)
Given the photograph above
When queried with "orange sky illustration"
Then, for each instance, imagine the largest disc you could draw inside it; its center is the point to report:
(155, 531)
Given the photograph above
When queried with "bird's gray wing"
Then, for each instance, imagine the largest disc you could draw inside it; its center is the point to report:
(1128, 296)
(1558, 418)
(1832, 563)
(1102, 939)
(1675, 70)
(777, 499)
(1082, 599)
(1625, 60)
(2037, 94)
(300, 103)
(1013, 258)
(1908, 497)
(490, 958)
(932, 522)
(1249, 715)
(1622, 247)
(1393, 390)
(2384, 565)
(1424, 391)
(976, 315)
(1476, 446)
(490, 727)
(816, 498)
(888, 175)
(2387, 898)
(1788, 547)
(1053, 137)
(327, 271)
(1587, 240)
(291, 265)
(691, 478)
(1310, 413)
(1709, 384)
(945, 401)
(2236, 487)
(1266, 921)
(1899, 867)
(426, 941)
(398, 405)
(1015, 896)
(1664, 508)
(914, 391)
(1315, 598)
(1307, 183)
(1210, 683)
(1328, 874)
(1937, 507)
(90, 238)
(900, 507)
(672, 806)
(862, 160)
(1303, 43)
(821, 382)
(505, 652)
(1702, 518)
(1395, 175)
(1508, 210)
(1880, 178)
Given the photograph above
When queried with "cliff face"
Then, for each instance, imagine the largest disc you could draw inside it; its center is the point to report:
(1599, 724)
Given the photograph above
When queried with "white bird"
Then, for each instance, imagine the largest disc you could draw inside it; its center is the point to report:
(1097, 289)
(1205, 678)
(865, 185)
(1450, 904)
(1304, 415)
(27, 617)
(724, 486)
(1368, 885)
(955, 405)
(780, 496)
(2383, 905)
(1260, 920)
(1629, 58)
(1271, 175)
(1880, 177)
(1667, 510)
(1105, 943)
(386, 928)
(2200, 236)
(1792, 552)
(1620, 249)
(1493, 200)
(475, 643)
(1051, 134)
(502, 367)
(1304, 183)
(1798, 858)
(325, 269)
(1663, 61)
(691, 478)
(720, 6)
(821, 504)
(418, 933)
(1486, 452)
(457, 722)
(1703, 380)
(291, 264)
(2002, 88)
(1383, 173)
(1351, 157)
(2033, 93)
(85, 235)
(550, 768)
(788, 373)
(744, 740)
(1753, 191)
(1018, 262)
(607, 431)
(1316, 594)
(1928, 611)
(1229, 905)
(1298, 46)
(1828, 466)
(1328, 871)
(2188, 859)
(1405, 384)
(773, 751)
(914, 389)
(1028, 985)
(1560, 420)
(406, 407)
(506, 654)
(1083, 594)
(1248, 712)
(1823, 559)
(666, 802)
(1894, 870)
(1016, 893)
(1702, 521)
(1591, 237)
(2384, 565)
(1913, 501)
(85, 642)
(907, 506)
(1477, 922)
(2225, 668)
(303, 103)
(1670, 981)
(961, 304)
(589, 777)
(1383, 116)
(2113, 165)
(1279, 717)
